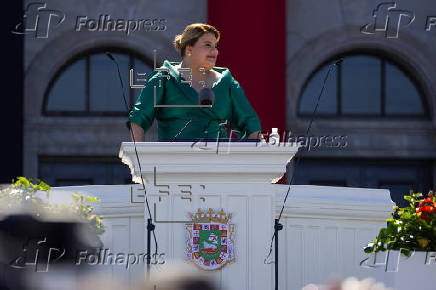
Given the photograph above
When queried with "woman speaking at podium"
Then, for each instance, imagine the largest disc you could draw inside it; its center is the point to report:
(174, 102)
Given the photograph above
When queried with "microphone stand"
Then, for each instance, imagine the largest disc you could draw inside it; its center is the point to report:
(150, 226)
(277, 225)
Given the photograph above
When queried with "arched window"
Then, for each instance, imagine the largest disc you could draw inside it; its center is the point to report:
(364, 86)
(89, 85)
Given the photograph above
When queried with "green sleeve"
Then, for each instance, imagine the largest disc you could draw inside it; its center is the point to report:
(144, 112)
(244, 118)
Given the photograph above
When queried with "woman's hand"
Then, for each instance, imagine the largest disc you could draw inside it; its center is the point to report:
(257, 135)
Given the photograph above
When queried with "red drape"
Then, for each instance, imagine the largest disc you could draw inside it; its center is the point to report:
(253, 47)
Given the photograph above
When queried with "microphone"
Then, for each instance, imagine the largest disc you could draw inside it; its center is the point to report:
(110, 55)
(206, 97)
(298, 157)
(121, 80)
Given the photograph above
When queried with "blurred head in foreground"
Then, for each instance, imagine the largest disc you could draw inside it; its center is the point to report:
(350, 283)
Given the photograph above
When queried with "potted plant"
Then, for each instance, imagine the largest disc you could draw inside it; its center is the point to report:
(24, 196)
(404, 252)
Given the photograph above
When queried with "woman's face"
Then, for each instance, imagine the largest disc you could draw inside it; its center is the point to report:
(205, 51)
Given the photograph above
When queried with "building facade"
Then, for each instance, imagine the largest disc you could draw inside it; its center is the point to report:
(381, 98)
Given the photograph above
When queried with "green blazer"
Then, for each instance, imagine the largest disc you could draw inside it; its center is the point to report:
(230, 107)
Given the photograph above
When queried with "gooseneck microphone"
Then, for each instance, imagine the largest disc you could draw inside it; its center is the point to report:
(121, 80)
(111, 57)
(206, 97)
(298, 156)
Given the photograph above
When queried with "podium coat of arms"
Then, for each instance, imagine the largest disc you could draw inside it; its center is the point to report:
(209, 239)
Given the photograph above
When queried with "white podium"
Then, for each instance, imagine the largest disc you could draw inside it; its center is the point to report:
(182, 163)
(236, 177)
(325, 227)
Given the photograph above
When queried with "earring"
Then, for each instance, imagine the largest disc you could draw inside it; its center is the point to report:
(189, 54)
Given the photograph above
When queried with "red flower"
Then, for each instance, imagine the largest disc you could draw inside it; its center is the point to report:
(427, 200)
(426, 208)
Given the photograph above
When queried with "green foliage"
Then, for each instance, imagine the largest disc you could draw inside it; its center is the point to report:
(22, 192)
(410, 228)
